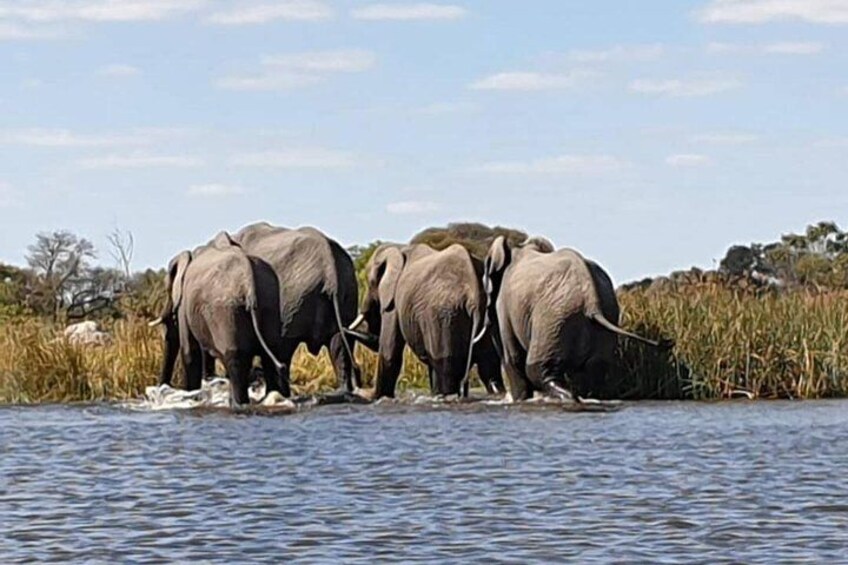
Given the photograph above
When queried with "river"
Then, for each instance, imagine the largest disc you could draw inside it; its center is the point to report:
(654, 482)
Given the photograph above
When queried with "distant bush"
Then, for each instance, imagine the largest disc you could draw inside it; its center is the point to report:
(477, 238)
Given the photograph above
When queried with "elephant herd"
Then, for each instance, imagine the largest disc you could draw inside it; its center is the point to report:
(530, 318)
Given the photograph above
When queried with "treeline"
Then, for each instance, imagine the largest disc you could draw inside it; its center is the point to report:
(816, 260)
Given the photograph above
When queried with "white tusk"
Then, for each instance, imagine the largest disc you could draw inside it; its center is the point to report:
(480, 336)
(155, 322)
(357, 322)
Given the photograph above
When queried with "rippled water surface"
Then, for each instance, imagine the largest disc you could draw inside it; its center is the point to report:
(755, 482)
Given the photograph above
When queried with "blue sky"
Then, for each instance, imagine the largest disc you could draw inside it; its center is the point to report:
(649, 135)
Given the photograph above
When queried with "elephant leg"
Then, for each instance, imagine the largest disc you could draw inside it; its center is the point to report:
(518, 387)
(275, 380)
(208, 365)
(590, 382)
(489, 371)
(390, 360)
(238, 368)
(449, 373)
(549, 375)
(193, 362)
(172, 350)
(347, 373)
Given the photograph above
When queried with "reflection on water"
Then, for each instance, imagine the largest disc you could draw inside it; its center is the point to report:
(676, 482)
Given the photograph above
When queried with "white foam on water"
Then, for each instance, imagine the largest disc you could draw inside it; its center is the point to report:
(213, 393)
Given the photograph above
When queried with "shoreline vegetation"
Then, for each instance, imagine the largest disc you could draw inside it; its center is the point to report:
(771, 322)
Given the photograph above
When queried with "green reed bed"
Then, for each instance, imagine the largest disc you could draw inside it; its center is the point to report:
(734, 344)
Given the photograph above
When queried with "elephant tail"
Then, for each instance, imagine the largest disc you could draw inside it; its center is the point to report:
(261, 338)
(343, 330)
(478, 330)
(599, 318)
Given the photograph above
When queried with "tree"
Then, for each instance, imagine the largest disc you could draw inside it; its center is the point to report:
(59, 261)
(477, 238)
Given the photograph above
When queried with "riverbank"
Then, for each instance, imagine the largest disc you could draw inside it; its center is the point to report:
(729, 343)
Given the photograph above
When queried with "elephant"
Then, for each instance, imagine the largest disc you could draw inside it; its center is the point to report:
(557, 315)
(434, 302)
(319, 292)
(223, 303)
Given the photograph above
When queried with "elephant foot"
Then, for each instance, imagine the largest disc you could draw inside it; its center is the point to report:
(556, 390)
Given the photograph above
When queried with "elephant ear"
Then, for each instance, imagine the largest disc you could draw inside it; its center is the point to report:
(223, 241)
(176, 278)
(389, 270)
(497, 260)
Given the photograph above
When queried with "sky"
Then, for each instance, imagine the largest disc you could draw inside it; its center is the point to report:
(649, 135)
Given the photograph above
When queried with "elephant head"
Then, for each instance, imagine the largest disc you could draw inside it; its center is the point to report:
(174, 281)
(500, 257)
(384, 271)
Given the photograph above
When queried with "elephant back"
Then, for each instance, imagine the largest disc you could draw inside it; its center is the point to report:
(221, 274)
(448, 278)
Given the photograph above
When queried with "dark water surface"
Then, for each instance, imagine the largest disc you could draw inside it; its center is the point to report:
(754, 482)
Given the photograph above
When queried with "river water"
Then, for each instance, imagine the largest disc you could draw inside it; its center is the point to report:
(654, 482)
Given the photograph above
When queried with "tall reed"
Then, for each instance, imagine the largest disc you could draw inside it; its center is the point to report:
(728, 344)
(731, 343)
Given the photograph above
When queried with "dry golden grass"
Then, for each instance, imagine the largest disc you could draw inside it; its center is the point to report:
(38, 366)
(727, 344)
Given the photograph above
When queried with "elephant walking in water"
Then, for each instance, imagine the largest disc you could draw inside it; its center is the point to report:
(557, 315)
(318, 292)
(224, 303)
(434, 302)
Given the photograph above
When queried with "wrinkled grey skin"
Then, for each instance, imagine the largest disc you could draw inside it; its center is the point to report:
(557, 315)
(433, 301)
(226, 303)
(318, 289)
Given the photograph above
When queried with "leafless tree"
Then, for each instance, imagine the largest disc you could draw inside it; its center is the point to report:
(121, 248)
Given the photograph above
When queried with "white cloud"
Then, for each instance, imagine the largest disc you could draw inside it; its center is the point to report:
(139, 161)
(684, 87)
(36, 137)
(412, 207)
(118, 71)
(17, 31)
(531, 81)
(563, 164)
(406, 12)
(729, 138)
(95, 10)
(795, 48)
(338, 61)
(296, 159)
(687, 160)
(292, 10)
(290, 71)
(267, 82)
(444, 108)
(784, 48)
(214, 189)
(618, 53)
(763, 11)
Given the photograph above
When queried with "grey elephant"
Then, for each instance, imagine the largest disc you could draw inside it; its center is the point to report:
(432, 301)
(557, 315)
(226, 304)
(318, 288)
